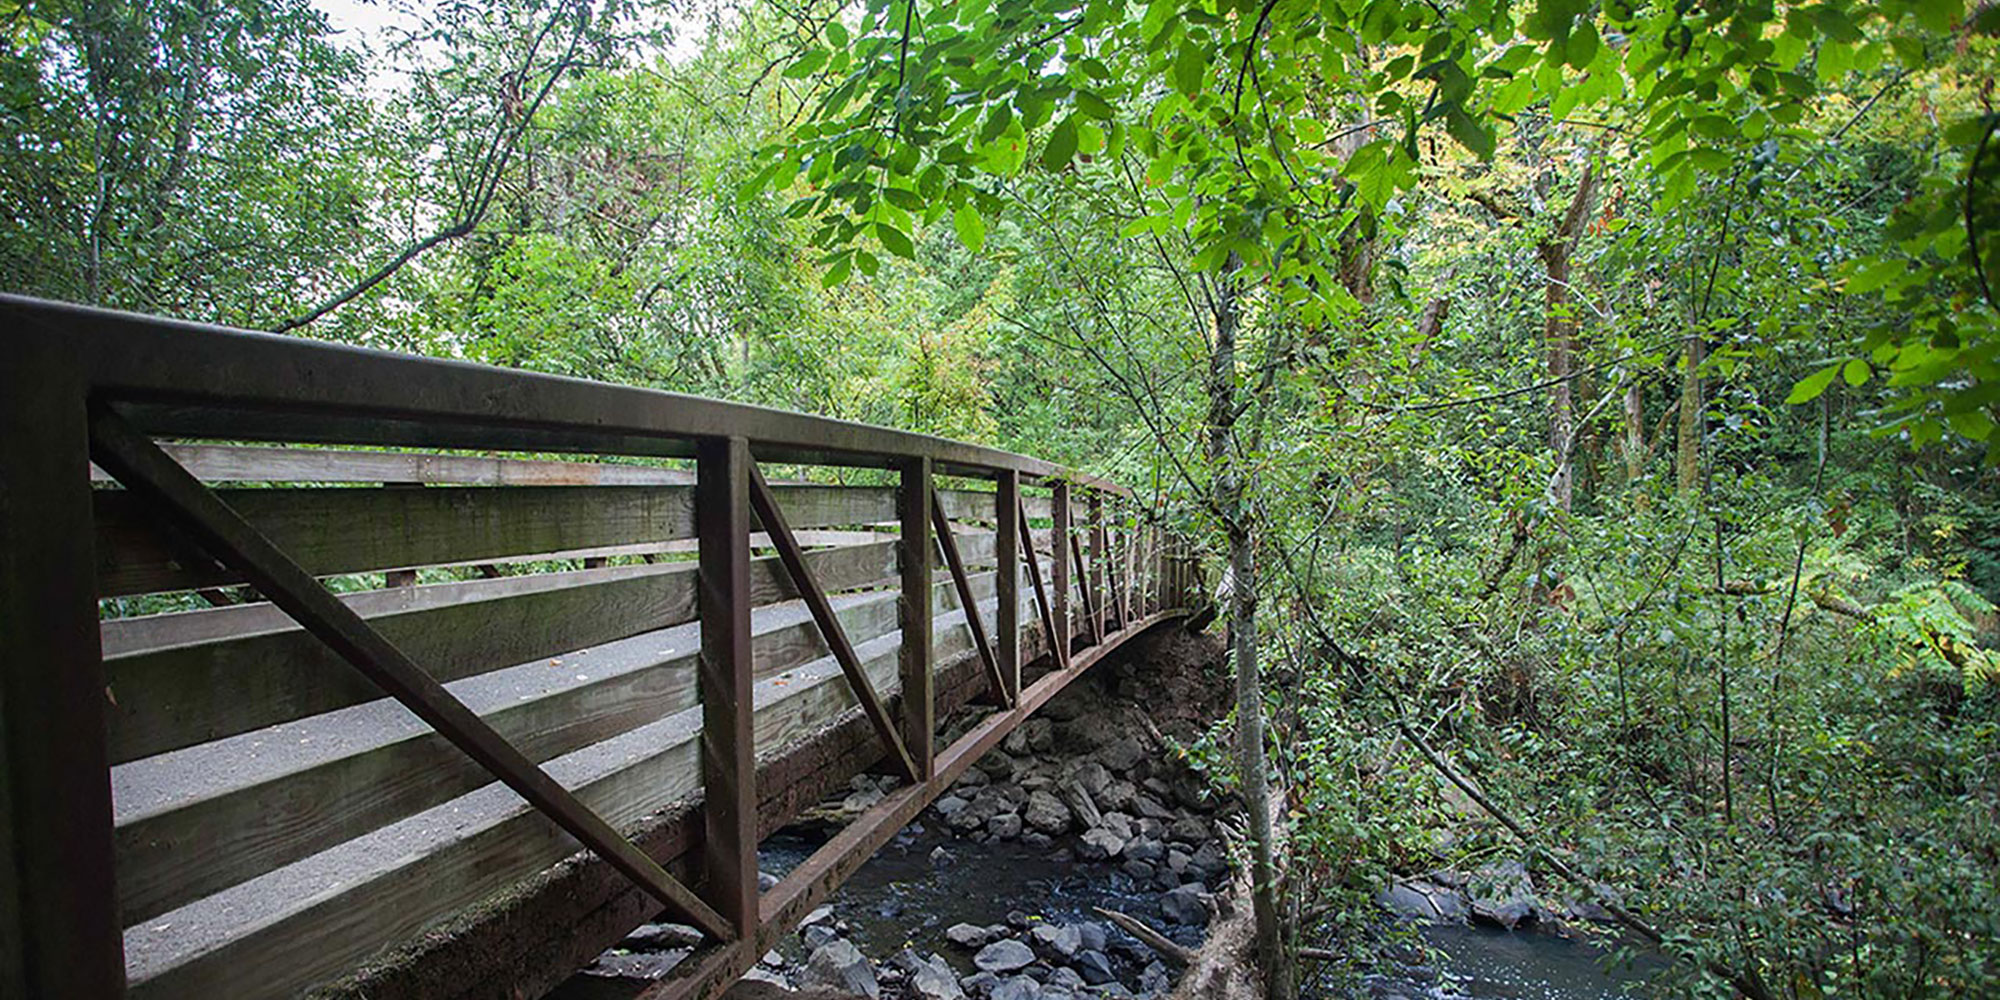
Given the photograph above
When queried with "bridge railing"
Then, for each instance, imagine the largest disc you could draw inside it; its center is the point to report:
(658, 658)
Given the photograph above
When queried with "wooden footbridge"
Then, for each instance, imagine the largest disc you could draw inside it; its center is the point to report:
(360, 708)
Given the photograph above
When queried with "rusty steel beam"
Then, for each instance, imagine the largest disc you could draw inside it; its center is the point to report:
(1007, 557)
(914, 496)
(794, 559)
(707, 973)
(722, 495)
(949, 543)
(149, 472)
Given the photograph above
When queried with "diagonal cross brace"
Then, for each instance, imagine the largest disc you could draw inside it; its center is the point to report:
(794, 558)
(1041, 593)
(1084, 584)
(941, 523)
(149, 472)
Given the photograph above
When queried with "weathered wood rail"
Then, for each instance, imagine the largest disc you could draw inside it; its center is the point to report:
(385, 720)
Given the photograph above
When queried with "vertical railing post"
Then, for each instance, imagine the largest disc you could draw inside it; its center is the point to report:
(1059, 565)
(913, 507)
(1007, 556)
(1098, 579)
(59, 926)
(728, 733)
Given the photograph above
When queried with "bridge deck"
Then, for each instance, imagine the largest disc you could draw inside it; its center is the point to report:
(399, 722)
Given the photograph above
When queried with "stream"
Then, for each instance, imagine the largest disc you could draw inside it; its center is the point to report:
(903, 898)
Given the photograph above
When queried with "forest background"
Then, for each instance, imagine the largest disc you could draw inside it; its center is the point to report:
(1593, 404)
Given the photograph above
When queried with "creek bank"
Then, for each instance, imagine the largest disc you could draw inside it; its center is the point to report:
(993, 893)
(1490, 932)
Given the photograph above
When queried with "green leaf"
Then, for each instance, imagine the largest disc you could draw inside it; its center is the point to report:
(807, 64)
(1189, 68)
(1470, 133)
(1810, 387)
(836, 34)
(1873, 277)
(1096, 107)
(971, 227)
(838, 273)
(1061, 146)
(1856, 372)
(1583, 43)
(895, 241)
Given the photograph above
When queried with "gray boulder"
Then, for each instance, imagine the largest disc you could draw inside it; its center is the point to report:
(1122, 755)
(1188, 830)
(1091, 777)
(970, 936)
(1004, 956)
(1056, 941)
(1185, 904)
(1099, 845)
(817, 935)
(1005, 826)
(1046, 813)
(662, 937)
(1118, 795)
(1145, 849)
(1094, 967)
(1017, 988)
(838, 965)
(1093, 935)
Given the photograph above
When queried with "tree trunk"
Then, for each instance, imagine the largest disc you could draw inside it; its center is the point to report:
(1253, 775)
(1634, 448)
(1687, 450)
(1559, 332)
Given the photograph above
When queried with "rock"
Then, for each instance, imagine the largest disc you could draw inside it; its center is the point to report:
(1188, 830)
(662, 937)
(1065, 978)
(998, 766)
(1146, 805)
(1120, 824)
(1094, 966)
(1121, 755)
(1093, 935)
(1091, 777)
(1118, 795)
(772, 960)
(1185, 904)
(1143, 871)
(968, 935)
(948, 805)
(1405, 901)
(1046, 813)
(766, 881)
(1209, 862)
(1017, 988)
(1145, 849)
(640, 965)
(817, 935)
(838, 965)
(1080, 803)
(1019, 920)
(1041, 734)
(1005, 826)
(819, 915)
(1099, 845)
(935, 982)
(1004, 956)
(972, 779)
(1178, 860)
(980, 984)
(941, 857)
(1156, 978)
(860, 801)
(1037, 839)
(1055, 941)
(1502, 894)
(762, 975)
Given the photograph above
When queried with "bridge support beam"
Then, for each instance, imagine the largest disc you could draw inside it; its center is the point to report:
(59, 927)
(1007, 553)
(913, 507)
(728, 734)
(1059, 566)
